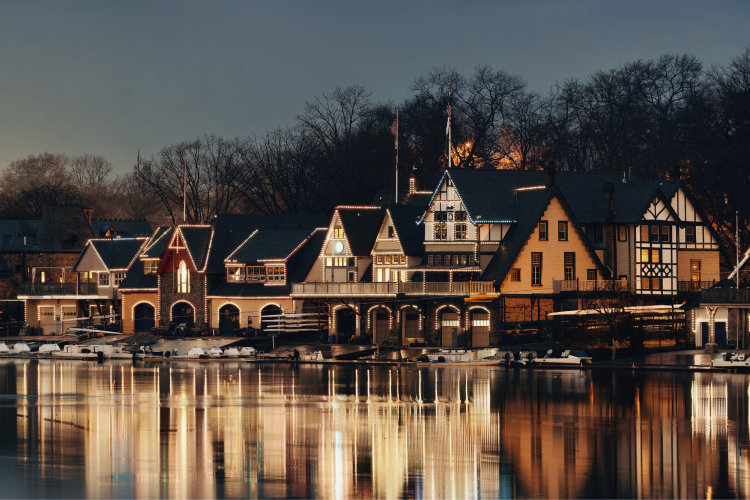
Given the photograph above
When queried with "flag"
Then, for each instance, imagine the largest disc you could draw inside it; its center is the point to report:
(448, 126)
(394, 127)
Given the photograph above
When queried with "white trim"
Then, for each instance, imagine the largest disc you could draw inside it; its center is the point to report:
(132, 309)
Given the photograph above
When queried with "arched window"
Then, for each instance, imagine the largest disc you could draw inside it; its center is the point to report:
(183, 278)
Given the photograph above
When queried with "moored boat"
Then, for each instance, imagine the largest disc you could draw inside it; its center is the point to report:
(76, 352)
(572, 357)
(731, 360)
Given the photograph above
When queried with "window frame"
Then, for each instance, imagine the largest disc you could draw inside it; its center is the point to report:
(543, 228)
(622, 236)
(590, 273)
(569, 269)
(562, 235)
(460, 231)
(276, 274)
(536, 269)
(230, 276)
(255, 274)
(690, 238)
(515, 274)
(150, 266)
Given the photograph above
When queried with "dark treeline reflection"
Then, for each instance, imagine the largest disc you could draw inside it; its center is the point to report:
(75, 429)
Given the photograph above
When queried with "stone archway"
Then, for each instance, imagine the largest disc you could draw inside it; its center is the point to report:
(144, 316)
(450, 326)
(410, 324)
(229, 320)
(182, 312)
(268, 323)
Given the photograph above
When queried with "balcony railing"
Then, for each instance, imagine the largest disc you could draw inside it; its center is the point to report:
(693, 286)
(412, 288)
(589, 286)
(66, 289)
(725, 296)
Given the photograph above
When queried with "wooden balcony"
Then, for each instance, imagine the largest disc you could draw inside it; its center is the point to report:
(725, 296)
(457, 288)
(589, 286)
(693, 286)
(66, 290)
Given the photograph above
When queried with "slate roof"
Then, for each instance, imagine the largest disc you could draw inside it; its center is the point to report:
(489, 195)
(297, 268)
(124, 227)
(530, 208)
(385, 197)
(409, 233)
(5, 269)
(270, 245)
(196, 239)
(116, 253)
(63, 228)
(361, 226)
(232, 229)
(136, 280)
(159, 242)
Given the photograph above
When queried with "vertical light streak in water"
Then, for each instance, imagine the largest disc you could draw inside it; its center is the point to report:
(368, 386)
(239, 383)
(111, 382)
(132, 379)
(638, 446)
(356, 385)
(205, 385)
(420, 388)
(259, 383)
(338, 470)
(218, 384)
(390, 397)
(170, 381)
(194, 382)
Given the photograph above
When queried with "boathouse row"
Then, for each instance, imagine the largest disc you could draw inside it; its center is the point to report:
(484, 252)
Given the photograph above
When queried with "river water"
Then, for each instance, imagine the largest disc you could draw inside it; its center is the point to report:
(200, 430)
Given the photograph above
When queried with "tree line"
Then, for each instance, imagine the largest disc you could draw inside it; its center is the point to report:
(640, 119)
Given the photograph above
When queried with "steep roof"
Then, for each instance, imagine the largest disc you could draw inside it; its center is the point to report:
(410, 235)
(63, 227)
(361, 226)
(232, 229)
(270, 245)
(489, 195)
(124, 227)
(158, 242)
(196, 240)
(298, 266)
(136, 280)
(5, 269)
(530, 209)
(117, 253)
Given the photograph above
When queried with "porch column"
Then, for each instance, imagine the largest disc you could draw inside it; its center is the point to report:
(711, 324)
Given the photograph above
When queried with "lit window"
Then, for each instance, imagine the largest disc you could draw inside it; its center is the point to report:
(378, 259)
(622, 233)
(695, 271)
(655, 256)
(430, 260)
(183, 278)
(275, 274)
(44, 277)
(460, 231)
(256, 273)
(402, 258)
(235, 273)
(338, 233)
(441, 227)
(387, 259)
(329, 261)
(150, 266)
(455, 260)
(463, 260)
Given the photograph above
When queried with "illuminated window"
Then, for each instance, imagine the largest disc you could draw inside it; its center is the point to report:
(622, 233)
(378, 259)
(150, 266)
(515, 275)
(183, 278)
(430, 260)
(235, 273)
(441, 226)
(438, 260)
(695, 271)
(690, 234)
(655, 256)
(460, 231)
(329, 261)
(338, 233)
(256, 273)
(562, 230)
(463, 260)
(387, 259)
(543, 231)
(44, 277)
(402, 258)
(275, 273)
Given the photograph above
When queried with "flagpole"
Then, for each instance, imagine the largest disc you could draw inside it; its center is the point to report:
(396, 198)
(184, 194)
(450, 126)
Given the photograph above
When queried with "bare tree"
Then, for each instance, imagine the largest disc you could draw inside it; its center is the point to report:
(91, 173)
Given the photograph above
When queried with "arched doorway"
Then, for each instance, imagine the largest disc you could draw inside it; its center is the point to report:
(229, 320)
(450, 324)
(480, 328)
(269, 325)
(144, 315)
(410, 323)
(346, 323)
(381, 328)
(182, 312)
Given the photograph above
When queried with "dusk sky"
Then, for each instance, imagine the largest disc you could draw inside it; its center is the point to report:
(111, 78)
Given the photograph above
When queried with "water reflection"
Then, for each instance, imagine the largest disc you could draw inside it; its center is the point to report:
(80, 429)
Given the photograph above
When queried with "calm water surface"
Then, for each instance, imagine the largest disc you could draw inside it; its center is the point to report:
(192, 430)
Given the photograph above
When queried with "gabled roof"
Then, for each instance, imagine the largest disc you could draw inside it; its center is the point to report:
(270, 245)
(531, 207)
(229, 231)
(61, 225)
(361, 226)
(124, 227)
(410, 235)
(297, 266)
(489, 195)
(136, 280)
(158, 243)
(115, 254)
(196, 239)
(5, 269)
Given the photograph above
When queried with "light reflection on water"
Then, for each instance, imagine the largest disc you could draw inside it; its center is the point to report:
(192, 430)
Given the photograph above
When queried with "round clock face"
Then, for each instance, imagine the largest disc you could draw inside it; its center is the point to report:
(338, 247)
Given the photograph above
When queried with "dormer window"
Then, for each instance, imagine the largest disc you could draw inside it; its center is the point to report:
(256, 273)
(117, 278)
(150, 266)
(275, 274)
(235, 273)
(338, 233)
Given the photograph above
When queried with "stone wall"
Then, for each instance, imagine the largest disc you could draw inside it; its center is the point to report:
(169, 297)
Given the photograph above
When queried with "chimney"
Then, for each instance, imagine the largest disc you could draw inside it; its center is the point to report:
(549, 170)
(674, 173)
(609, 201)
(88, 212)
(413, 182)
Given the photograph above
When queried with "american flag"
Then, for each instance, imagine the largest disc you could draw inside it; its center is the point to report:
(448, 126)
(394, 127)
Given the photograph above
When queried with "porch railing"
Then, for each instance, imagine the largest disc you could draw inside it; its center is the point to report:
(58, 289)
(725, 296)
(589, 286)
(693, 286)
(458, 288)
